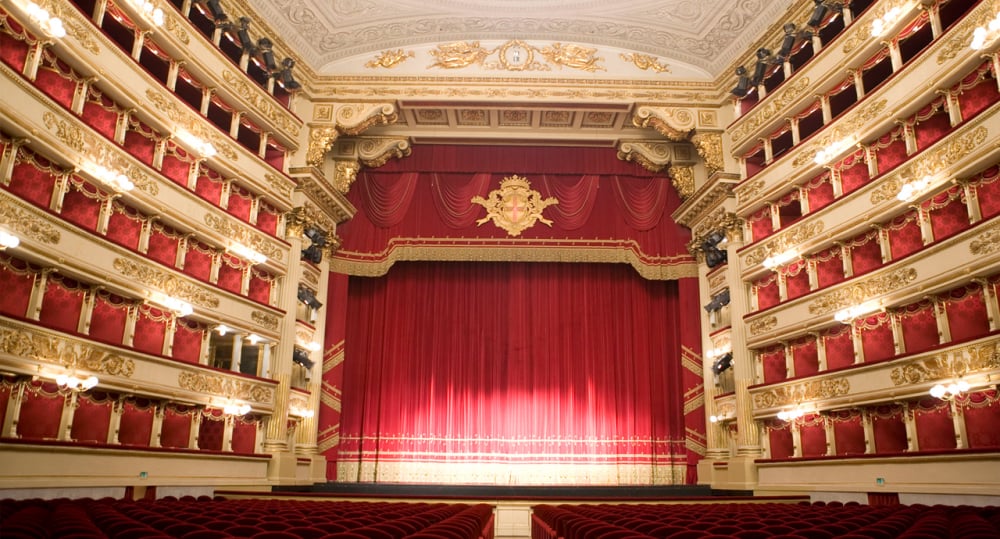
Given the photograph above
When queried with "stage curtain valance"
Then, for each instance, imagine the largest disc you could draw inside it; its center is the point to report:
(420, 208)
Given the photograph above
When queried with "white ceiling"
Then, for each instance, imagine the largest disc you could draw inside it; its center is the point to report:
(694, 39)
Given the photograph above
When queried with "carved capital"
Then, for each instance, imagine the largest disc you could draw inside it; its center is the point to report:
(652, 156)
(675, 124)
(377, 151)
(345, 172)
(709, 146)
(682, 177)
(321, 139)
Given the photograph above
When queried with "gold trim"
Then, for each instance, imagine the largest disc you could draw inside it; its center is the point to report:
(262, 103)
(682, 176)
(266, 320)
(25, 342)
(769, 111)
(783, 241)
(225, 387)
(802, 392)
(645, 62)
(954, 363)
(389, 59)
(244, 235)
(515, 206)
(863, 291)
(762, 325)
(25, 221)
(166, 282)
(709, 147)
(847, 128)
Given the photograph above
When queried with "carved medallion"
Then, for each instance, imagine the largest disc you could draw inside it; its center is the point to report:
(515, 206)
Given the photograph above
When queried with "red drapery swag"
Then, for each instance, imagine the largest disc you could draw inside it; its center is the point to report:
(537, 373)
(608, 211)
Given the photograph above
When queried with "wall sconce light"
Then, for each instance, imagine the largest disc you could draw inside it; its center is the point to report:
(834, 149)
(73, 382)
(254, 339)
(202, 147)
(179, 307)
(950, 391)
(247, 253)
(8, 241)
(301, 413)
(723, 417)
(222, 329)
(53, 26)
(149, 11)
(982, 34)
(845, 316)
(111, 178)
(792, 414)
(314, 346)
(236, 408)
(886, 21)
(910, 190)
(781, 258)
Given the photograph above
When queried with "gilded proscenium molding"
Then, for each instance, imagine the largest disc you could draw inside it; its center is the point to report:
(23, 341)
(265, 320)
(930, 163)
(769, 111)
(389, 59)
(516, 55)
(345, 173)
(709, 147)
(332, 206)
(645, 62)
(762, 325)
(673, 123)
(227, 387)
(26, 222)
(165, 282)
(718, 220)
(863, 291)
(791, 394)
(515, 206)
(972, 359)
(706, 201)
(238, 233)
(374, 152)
(717, 281)
(682, 176)
(346, 119)
(191, 122)
(92, 149)
(651, 155)
(783, 241)
(262, 103)
(960, 37)
(302, 217)
(847, 128)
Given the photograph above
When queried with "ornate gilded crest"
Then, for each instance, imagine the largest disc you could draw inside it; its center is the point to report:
(515, 206)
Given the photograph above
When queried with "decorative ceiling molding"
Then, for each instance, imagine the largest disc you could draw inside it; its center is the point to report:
(335, 119)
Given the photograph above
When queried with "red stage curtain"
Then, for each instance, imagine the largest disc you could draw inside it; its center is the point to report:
(966, 310)
(137, 422)
(150, 329)
(15, 43)
(796, 279)
(176, 428)
(33, 178)
(812, 431)
(805, 356)
(640, 201)
(890, 431)
(41, 411)
(387, 198)
(82, 203)
(188, 335)
(988, 191)
(502, 363)
(239, 203)
(107, 321)
(62, 303)
(56, 79)
(920, 331)
(267, 218)
(876, 337)
(209, 185)
(829, 266)
(576, 200)
(328, 418)
(766, 289)
(16, 280)
(211, 430)
(820, 191)
(231, 273)
(773, 362)
(866, 254)
(177, 163)
(839, 347)
(977, 91)
(100, 112)
(935, 428)
(244, 438)
(890, 150)
(163, 244)
(140, 141)
(904, 235)
(849, 432)
(779, 434)
(260, 285)
(982, 415)
(125, 225)
(949, 213)
(198, 260)
(92, 418)
(853, 171)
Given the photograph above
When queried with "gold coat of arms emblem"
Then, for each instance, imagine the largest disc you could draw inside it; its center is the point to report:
(515, 206)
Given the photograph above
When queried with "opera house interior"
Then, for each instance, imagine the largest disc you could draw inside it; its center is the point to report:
(293, 268)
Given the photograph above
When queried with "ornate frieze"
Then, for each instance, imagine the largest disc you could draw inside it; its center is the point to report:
(266, 320)
(377, 151)
(770, 110)
(651, 155)
(682, 176)
(762, 325)
(783, 241)
(673, 123)
(280, 184)
(791, 394)
(645, 62)
(709, 146)
(165, 282)
(516, 55)
(194, 124)
(389, 59)
(347, 119)
(345, 173)
(222, 386)
(261, 103)
(846, 129)
(25, 342)
(174, 25)
(863, 291)
(747, 191)
(335, 208)
(959, 38)
(26, 222)
(238, 233)
(970, 359)
(986, 242)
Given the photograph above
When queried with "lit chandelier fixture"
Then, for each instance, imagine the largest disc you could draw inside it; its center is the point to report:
(986, 33)
(236, 408)
(950, 391)
(835, 148)
(910, 190)
(781, 258)
(113, 179)
(149, 11)
(247, 253)
(302, 413)
(8, 241)
(73, 382)
(53, 26)
(791, 415)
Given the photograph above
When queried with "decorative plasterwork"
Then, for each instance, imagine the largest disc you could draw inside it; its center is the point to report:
(280, 184)
(720, 219)
(514, 207)
(707, 198)
(682, 176)
(302, 217)
(377, 151)
(165, 282)
(986, 242)
(651, 155)
(783, 241)
(344, 174)
(861, 32)
(792, 394)
(333, 205)
(773, 105)
(762, 325)
(224, 386)
(194, 124)
(266, 320)
(76, 26)
(709, 146)
(261, 103)
(389, 59)
(516, 55)
(25, 342)
(746, 191)
(346, 119)
(930, 163)
(858, 293)
(645, 62)
(25, 221)
(845, 129)
(717, 281)
(673, 123)
(963, 361)
(961, 35)
(238, 233)
(174, 25)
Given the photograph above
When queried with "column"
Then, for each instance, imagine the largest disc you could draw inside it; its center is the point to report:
(70, 404)
(13, 410)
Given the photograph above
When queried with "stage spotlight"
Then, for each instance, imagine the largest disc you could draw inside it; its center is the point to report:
(764, 60)
(301, 357)
(285, 75)
(792, 35)
(264, 45)
(724, 362)
(316, 235)
(243, 33)
(309, 298)
(819, 12)
(743, 84)
(215, 8)
(313, 253)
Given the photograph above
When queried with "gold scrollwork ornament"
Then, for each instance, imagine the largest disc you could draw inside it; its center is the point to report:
(515, 206)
